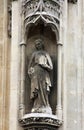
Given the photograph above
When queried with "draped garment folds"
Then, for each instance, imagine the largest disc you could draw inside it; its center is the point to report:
(39, 66)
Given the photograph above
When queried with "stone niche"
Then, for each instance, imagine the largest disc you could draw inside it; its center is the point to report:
(41, 20)
(45, 33)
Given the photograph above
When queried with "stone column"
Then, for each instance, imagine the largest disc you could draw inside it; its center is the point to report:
(59, 71)
(14, 72)
(22, 64)
(59, 82)
(22, 81)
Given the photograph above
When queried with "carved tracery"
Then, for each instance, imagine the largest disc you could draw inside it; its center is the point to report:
(46, 14)
(45, 10)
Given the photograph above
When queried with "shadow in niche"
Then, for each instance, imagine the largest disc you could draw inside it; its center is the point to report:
(46, 33)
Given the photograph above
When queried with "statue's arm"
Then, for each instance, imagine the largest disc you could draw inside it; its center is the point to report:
(50, 65)
(30, 67)
(31, 60)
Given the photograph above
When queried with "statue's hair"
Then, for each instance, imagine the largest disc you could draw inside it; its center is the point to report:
(41, 41)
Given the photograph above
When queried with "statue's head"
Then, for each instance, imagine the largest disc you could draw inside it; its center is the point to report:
(39, 44)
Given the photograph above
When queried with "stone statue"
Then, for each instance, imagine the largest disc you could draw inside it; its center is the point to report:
(39, 68)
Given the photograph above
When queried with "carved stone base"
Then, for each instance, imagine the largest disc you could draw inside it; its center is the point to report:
(40, 121)
(41, 127)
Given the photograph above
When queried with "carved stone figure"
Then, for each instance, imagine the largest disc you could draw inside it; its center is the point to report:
(39, 68)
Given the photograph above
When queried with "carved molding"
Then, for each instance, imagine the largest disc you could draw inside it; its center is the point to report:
(32, 119)
(49, 12)
(46, 10)
(39, 120)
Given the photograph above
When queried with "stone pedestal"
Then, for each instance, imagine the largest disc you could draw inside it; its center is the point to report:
(40, 121)
(33, 14)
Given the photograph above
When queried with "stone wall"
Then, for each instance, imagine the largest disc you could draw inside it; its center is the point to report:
(4, 67)
(73, 67)
(73, 88)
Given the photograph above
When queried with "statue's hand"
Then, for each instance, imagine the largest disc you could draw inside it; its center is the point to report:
(46, 66)
(31, 71)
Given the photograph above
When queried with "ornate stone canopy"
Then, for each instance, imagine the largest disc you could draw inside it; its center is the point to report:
(48, 12)
(45, 10)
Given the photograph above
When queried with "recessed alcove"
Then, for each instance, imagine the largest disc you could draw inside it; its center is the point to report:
(40, 48)
(46, 33)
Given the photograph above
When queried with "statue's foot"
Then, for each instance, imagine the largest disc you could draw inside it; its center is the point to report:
(46, 110)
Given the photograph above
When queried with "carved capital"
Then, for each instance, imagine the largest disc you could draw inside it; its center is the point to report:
(22, 43)
(59, 44)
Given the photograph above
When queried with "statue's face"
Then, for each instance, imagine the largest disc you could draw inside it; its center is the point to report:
(38, 45)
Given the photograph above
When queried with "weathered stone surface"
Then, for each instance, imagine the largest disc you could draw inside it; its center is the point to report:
(73, 69)
(14, 72)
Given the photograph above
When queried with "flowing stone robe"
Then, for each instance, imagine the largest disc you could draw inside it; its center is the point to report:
(39, 69)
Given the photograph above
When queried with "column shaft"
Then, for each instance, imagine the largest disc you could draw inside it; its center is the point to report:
(59, 82)
(22, 83)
